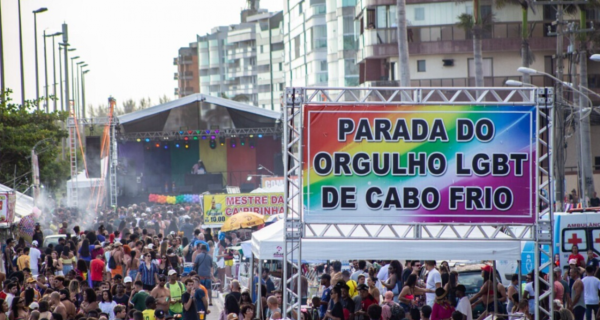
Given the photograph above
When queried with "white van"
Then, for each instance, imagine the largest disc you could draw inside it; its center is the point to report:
(576, 227)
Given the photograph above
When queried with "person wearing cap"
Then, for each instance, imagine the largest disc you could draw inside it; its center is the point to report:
(159, 314)
(161, 294)
(366, 298)
(486, 292)
(31, 291)
(128, 283)
(176, 290)
(34, 258)
(150, 308)
(442, 309)
(464, 305)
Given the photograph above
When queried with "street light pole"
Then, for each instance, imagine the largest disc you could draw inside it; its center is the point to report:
(78, 93)
(46, 73)
(21, 57)
(73, 82)
(2, 84)
(583, 153)
(54, 68)
(37, 77)
(83, 93)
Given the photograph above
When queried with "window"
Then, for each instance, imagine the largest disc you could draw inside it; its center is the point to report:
(381, 16)
(297, 46)
(281, 87)
(419, 14)
(262, 49)
(420, 65)
(300, 7)
(281, 66)
(319, 36)
(323, 65)
(350, 67)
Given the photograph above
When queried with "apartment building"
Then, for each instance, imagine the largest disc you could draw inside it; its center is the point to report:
(441, 52)
(243, 62)
(187, 71)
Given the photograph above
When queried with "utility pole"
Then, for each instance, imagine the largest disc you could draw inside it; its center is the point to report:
(559, 115)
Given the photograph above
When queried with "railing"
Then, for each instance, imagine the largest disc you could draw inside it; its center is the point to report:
(498, 81)
(501, 30)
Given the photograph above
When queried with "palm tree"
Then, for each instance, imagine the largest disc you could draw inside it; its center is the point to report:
(477, 52)
(404, 70)
(527, 57)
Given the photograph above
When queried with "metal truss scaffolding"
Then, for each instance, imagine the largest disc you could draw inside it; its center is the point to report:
(296, 229)
(73, 124)
(177, 135)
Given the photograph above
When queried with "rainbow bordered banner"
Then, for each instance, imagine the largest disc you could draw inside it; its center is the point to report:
(419, 164)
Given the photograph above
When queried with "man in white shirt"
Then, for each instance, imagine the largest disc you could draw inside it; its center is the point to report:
(383, 275)
(464, 305)
(434, 281)
(34, 258)
(591, 285)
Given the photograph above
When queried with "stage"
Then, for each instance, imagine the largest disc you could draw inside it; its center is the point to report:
(158, 147)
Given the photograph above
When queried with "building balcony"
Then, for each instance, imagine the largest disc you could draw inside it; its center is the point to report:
(176, 76)
(175, 61)
(176, 92)
(241, 53)
(449, 39)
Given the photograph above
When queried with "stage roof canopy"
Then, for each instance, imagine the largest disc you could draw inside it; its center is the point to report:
(198, 112)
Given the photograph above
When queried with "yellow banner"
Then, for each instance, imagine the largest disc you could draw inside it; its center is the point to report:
(220, 207)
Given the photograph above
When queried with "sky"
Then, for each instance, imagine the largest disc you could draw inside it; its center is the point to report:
(129, 45)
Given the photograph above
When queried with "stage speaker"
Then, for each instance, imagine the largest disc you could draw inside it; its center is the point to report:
(247, 187)
(215, 188)
(92, 156)
(278, 164)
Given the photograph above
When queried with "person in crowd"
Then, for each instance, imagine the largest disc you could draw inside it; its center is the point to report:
(107, 304)
(231, 306)
(337, 311)
(577, 256)
(464, 305)
(388, 305)
(409, 292)
(394, 281)
(442, 309)
(591, 285)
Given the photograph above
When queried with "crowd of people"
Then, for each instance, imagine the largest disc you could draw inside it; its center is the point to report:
(155, 263)
(141, 262)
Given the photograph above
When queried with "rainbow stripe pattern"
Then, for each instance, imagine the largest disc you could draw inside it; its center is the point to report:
(514, 135)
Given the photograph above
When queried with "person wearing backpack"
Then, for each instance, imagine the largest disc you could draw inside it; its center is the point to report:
(176, 289)
(390, 309)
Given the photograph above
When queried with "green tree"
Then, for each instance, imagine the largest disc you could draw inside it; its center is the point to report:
(21, 127)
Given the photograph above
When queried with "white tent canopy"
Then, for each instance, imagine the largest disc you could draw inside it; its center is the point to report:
(267, 243)
(24, 204)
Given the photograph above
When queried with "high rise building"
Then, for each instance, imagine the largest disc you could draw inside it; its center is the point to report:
(441, 51)
(305, 43)
(244, 62)
(187, 71)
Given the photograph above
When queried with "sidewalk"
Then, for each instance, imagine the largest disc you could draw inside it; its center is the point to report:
(216, 308)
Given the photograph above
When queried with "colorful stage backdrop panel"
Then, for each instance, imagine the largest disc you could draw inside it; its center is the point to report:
(419, 164)
(220, 207)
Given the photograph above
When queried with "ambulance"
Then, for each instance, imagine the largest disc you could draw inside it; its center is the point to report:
(576, 227)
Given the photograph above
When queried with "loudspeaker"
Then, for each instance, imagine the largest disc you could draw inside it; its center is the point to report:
(278, 164)
(92, 156)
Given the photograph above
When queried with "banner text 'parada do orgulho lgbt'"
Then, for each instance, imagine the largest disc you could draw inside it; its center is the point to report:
(419, 164)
